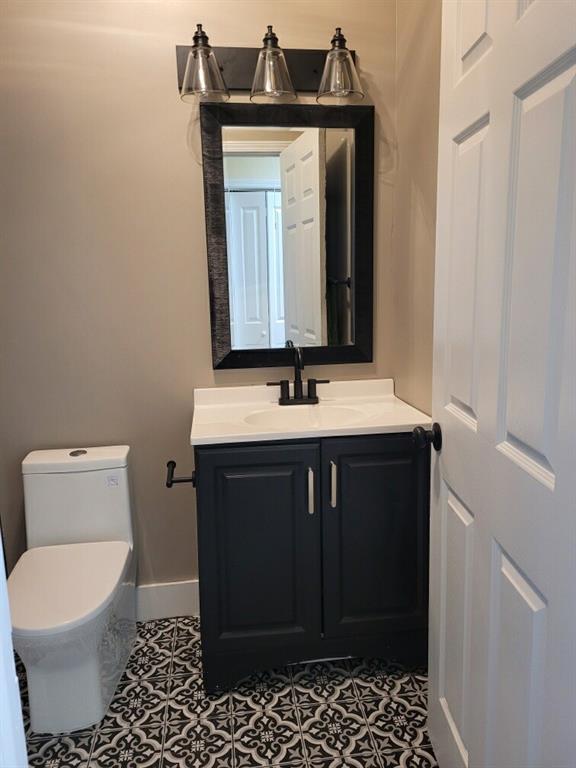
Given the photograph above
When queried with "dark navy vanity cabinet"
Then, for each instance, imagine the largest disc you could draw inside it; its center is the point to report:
(311, 549)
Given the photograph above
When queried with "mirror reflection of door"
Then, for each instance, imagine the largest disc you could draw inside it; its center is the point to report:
(288, 195)
(254, 241)
(302, 168)
(248, 269)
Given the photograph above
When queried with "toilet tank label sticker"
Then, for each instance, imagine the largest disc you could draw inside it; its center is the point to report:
(112, 481)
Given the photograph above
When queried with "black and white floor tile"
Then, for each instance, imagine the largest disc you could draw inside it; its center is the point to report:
(358, 713)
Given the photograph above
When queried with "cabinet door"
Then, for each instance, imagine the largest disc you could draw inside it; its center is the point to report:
(259, 546)
(375, 535)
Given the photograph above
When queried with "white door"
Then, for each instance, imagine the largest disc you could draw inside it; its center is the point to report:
(12, 744)
(303, 175)
(275, 269)
(503, 548)
(248, 269)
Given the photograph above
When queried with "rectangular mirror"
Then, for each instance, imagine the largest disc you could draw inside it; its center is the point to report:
(288, 193)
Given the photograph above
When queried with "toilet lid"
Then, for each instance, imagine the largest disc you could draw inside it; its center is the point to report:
(53, 589)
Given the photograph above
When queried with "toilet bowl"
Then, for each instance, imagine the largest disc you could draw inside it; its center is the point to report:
(72, 602)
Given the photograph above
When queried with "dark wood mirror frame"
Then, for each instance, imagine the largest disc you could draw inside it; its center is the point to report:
(361, 118)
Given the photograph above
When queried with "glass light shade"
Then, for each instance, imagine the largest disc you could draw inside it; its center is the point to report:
(272, 83)
(340, 83)
(202, 77)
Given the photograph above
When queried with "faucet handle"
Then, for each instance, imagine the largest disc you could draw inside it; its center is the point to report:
(284, 385)
(312, 393)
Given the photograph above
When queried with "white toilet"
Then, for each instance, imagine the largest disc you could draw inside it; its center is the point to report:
(72, 593)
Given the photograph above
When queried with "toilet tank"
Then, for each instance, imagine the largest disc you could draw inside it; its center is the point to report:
(77, 495)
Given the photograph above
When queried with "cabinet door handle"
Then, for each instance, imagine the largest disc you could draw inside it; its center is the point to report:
(310, 491)
(333, 484)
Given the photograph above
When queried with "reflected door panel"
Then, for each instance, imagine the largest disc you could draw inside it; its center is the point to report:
(248, 269)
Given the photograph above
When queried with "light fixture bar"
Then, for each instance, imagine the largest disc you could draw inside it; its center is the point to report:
(238, 65)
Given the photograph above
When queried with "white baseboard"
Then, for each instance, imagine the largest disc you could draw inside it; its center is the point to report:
(167, 599)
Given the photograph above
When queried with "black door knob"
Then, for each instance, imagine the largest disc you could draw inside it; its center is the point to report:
(425, 437)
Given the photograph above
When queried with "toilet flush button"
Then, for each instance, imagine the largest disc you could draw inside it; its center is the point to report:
(78, 452)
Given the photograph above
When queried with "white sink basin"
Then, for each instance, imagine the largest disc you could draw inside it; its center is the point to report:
(302, 416)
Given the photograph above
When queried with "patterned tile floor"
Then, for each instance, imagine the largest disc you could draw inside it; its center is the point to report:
(358, 713)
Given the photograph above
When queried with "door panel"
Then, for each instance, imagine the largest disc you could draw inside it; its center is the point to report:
(259, 546)
(519, 619)
(541, 188)
(503, 523)
(473, 37)
(456, 556)
(375, 525)
(467, 227)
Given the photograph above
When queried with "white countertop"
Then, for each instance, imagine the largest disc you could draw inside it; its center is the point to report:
(250, 414)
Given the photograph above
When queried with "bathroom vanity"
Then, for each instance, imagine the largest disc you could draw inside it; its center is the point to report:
(312, 527)
(312, 520)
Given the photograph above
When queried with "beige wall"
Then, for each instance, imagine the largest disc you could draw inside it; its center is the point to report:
(412, 261)
(103, 286)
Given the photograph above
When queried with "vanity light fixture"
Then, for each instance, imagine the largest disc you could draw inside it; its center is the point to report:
(202, 77)
(340, 83)
(272, 83)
